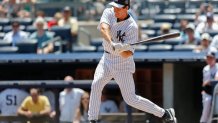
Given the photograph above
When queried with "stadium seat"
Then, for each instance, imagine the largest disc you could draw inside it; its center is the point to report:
(157, 5)
(176, 26)
(84, 48)
(31, 29)
(143, 26)
(100, 49)
(176, 4)
(5, 43)
(171, 31)
(189, 17)
(149, 32)
(169, 18)
(140, 48)
(8, 50)
(63, 32)
(9, 28)
(156, 26)
(4, 21)
(96, 42)
(212, 32)
(27, 46)
(23, 21)
(2, 35)
(195, 3)
(160, 47)
(189, 48)
(214, 107)
(173, 41)
(172, 11)
(191, 10)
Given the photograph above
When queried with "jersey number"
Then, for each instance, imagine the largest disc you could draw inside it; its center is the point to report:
(11, 100)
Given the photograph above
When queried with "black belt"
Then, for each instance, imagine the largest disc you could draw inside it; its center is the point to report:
(107, 52)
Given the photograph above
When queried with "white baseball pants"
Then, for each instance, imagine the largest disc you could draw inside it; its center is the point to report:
(207, 102)
(126, 83)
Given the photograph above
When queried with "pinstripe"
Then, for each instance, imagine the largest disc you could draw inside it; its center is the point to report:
(112, 65)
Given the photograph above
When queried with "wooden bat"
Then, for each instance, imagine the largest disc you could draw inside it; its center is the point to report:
(159, 38)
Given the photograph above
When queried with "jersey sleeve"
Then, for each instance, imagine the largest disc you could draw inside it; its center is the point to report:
(105, 18)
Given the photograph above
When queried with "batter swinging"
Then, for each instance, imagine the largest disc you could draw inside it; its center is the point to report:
(118, 28)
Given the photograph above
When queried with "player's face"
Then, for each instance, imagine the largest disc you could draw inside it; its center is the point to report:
(120, 13)
(210, 60)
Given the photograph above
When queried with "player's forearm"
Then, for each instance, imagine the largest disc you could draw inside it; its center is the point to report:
(105, 31)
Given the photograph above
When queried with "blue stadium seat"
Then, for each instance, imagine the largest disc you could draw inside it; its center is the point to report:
(100, 49)
(31, 29)
(4, 21)
(5, 43)
(173, 41)
(9, 28)
(63, 32)
(172, 11)
(23, 21)
(177, 4)
(8, 50)
(189, 17)
(195, 3)
(149, 32)
(176, 26)
(191, 10)
(2, 35)
(158, 5)
(156, 26)
(160, 47)
(27, 46)
(96, 42)
(183, 47)
(171, 31)
(212, 32)
(140, 48)
(84, 48)
(169, 18)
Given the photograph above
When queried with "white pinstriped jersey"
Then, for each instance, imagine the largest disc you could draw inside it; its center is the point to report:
(11, 99)
(209, 73)
(122, 32)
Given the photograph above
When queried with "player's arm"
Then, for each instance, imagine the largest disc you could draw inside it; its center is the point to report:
(105, 32)
(77, 117)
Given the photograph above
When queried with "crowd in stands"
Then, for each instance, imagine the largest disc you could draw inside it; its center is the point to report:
(21, 21)
(73, 103)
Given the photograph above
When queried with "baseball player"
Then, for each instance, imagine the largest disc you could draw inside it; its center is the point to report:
(118, 29)
(210, 72)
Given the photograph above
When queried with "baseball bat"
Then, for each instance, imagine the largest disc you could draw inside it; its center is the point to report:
(159, 38)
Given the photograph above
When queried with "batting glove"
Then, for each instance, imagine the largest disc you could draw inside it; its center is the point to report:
(125, 47)
(116, 46)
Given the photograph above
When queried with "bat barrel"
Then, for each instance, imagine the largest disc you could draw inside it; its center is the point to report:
(159, 38)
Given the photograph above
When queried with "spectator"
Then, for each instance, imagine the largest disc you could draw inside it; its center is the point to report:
(40, 14)
(11, 99)
(210, 72)
(165, 28)
(69, 100)
(16, 35)
(11, 7)
(67, 20)
(214, 42)
(203, 10)
(183, 25)
(205, 44)
(55, 20)
(192, 37)
(27, 9)
(82, 111)
(107, 106)
(210, 24)
(42, 37)
(35, 105)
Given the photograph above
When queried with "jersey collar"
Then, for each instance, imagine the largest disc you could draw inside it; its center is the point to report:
(124, 19)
